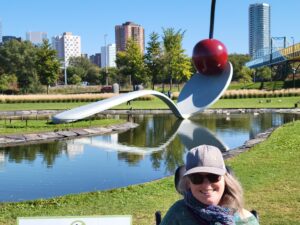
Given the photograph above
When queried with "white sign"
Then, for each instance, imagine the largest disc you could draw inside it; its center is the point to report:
(92, 220)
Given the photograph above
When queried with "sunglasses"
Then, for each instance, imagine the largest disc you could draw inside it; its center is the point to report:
(197, 178)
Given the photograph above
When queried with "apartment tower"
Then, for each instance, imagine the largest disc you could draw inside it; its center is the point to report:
(108, 56)
(259, 29)
(129, 30)
(0, 31)
(36, 38)
(67, 46)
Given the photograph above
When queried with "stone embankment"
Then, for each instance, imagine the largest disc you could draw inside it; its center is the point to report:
(11, 140)
(248, 144)
(49, 113)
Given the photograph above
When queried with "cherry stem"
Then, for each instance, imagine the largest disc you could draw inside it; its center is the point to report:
(212, 19)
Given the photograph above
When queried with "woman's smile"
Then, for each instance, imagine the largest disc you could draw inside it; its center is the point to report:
(207, 192)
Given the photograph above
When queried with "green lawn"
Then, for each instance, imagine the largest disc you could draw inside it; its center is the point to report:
(270, 85)
(35, 126)
(280, 102)
(268, 172)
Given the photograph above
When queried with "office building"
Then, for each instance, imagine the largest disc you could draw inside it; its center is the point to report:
(67, 46)
(96, 59)
(9, 38)
(129, 30)
(259, 29)
(0, 31)
(36, 38)
(108, 56)
(84, 55)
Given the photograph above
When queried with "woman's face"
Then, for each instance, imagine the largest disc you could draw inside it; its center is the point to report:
(208, 192)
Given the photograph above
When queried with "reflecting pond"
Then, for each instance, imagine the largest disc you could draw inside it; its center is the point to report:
(151, 151)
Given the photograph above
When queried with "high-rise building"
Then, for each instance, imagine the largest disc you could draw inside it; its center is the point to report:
(259, 29)
(10, 38)
(36, 38)
(67, 46)
(96, 59)
(84, 55)
(108, 56)
(0, 31)
(129, 30)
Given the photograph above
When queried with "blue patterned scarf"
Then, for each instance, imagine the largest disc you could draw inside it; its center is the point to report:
(209, 214)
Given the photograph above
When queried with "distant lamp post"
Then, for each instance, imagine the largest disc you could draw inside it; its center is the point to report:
(106, 71)
(65, 73)
(294, 73)
(64, 67)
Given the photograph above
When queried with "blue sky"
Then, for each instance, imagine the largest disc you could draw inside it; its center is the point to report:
(91, 19)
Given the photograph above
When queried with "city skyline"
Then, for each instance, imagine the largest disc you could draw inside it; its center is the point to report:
(93, 19)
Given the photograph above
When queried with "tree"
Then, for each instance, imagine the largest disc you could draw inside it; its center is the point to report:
(114, 76)
(84, 69)
(238, 61)
(75, 74)
(245, 75)
(48, 66)
(153, 59)
(20, 58)
(131, 63)
(74, 79)
(176, 64)
(263, 74)
(8, 83)
(93, 75)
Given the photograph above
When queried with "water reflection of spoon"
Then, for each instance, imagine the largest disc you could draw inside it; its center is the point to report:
(198, 93)
(190, 133)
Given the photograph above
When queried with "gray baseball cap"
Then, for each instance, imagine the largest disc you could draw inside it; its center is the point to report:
(205, 159)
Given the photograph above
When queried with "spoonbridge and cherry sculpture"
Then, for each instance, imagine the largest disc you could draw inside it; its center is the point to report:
(199, 92)
(202, 90)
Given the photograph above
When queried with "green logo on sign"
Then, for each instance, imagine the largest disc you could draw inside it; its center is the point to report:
(78, 222)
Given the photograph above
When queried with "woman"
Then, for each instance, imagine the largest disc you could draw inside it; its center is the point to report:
(211, 195)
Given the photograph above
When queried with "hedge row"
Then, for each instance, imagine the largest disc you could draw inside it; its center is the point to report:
(60, 98)
(259, 95)
(230, 94)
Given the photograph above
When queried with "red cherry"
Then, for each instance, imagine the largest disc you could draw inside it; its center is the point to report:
(210, 57)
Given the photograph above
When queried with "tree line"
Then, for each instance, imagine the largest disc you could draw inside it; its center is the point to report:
(26, 68)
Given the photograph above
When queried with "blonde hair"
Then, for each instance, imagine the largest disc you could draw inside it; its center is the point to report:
(233, 193)
(232, 196)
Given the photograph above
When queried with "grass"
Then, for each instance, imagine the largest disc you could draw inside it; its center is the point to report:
(279, 102)
(39, 106)
(153, 104)
(268, 173)
(34, 126)
(269, 85)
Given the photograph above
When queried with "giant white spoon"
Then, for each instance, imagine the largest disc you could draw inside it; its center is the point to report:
(199, 92)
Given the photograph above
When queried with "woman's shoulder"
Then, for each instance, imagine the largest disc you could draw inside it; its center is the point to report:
(245, 218)
(245, 214)
(178, 206)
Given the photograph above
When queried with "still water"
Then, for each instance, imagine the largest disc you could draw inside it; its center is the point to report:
(151, 151)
